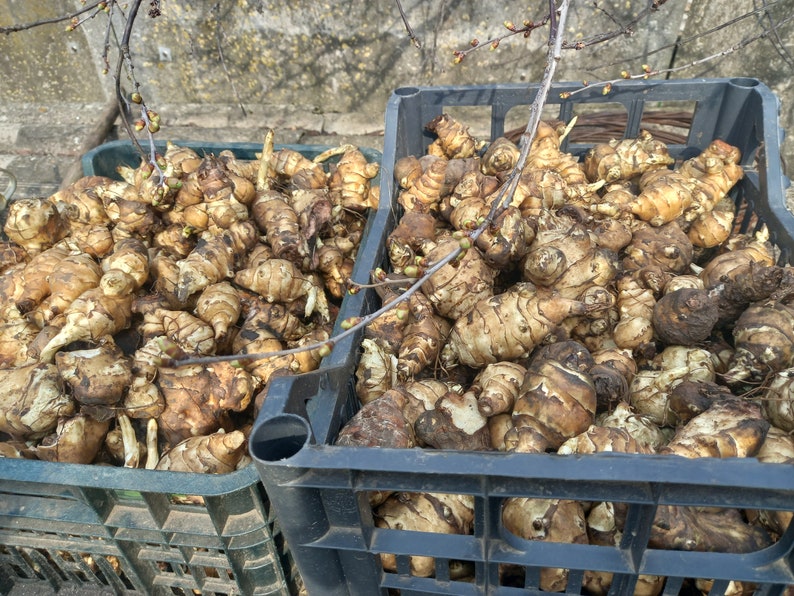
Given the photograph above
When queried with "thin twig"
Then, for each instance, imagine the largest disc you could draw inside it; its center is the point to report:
(59, 19)
(412, 36)
(219, 43)
(526, 29)
(124, 58)
(777, 42)
(535, 110)
(110, 29)
(697, 36)
(628, 29)
(649, 72)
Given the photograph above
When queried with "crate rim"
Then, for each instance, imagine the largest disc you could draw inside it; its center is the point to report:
(593, 90)
(611, 467)
(87, 158)
(137, 479)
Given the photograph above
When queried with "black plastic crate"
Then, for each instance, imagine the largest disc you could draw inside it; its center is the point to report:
(320, 491)
(84, 527)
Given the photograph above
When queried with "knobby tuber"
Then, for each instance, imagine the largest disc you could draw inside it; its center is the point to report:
(427, 512)
(217, 453)
(509, 325)
(549, 520)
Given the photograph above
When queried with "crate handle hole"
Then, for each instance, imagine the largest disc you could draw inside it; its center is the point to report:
(406, 91)
(280, 437)
(745, 82)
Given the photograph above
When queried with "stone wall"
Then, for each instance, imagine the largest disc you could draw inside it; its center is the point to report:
(347, 56)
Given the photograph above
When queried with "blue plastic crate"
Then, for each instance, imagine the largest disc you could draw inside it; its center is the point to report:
(320, 491)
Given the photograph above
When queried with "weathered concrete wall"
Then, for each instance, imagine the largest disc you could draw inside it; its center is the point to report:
(348, 56)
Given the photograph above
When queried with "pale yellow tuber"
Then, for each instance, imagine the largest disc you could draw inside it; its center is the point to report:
(424, 512)
(76, 440)
(509, 325)
(217, 453)
(32, 400)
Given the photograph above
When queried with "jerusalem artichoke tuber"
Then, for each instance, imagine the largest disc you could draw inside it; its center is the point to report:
(455, 422)
(217, 453)
(423, 337)
(32, 400)
(76, 440)
(199, 398)
(96, 376)
(778, 401)
(453, 138)
(91, 316)
(650, 388)
(626, 159)
(509, 325)
(214, 259)
(550, 520)
(457, 287)
(424, 512)
(764, 341)
(729, 428)
(350, 182)
(497, 386)
(34, 224)
(555, 403)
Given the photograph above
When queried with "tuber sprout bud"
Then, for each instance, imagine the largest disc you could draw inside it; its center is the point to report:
(411, 271)
(402, 311)
(349, 323)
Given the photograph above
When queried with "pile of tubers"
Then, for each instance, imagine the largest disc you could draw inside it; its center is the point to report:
(107, 283)
(591, 305)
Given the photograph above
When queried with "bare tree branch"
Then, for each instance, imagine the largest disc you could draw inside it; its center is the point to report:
(124, 58)
(411, 35)
(58, 19)
(650, 72)
(219, 43)
(702, 34)
(777, 42)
